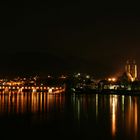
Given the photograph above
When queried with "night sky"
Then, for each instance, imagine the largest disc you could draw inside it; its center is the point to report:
(58, 37)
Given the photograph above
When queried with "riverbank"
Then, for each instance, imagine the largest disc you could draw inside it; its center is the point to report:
(108, 91)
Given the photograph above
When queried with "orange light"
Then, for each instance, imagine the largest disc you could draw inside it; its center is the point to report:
(113, 79)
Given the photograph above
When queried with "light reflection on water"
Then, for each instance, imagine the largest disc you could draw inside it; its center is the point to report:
(115, 116)
(18, 103)
(118, 114)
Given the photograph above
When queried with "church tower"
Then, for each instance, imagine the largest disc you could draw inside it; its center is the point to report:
(131, 70)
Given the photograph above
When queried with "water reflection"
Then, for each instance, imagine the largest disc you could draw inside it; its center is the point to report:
(98, 115)
(18, 103)
(120, 112)
(113, 108)
(132, 116)
(96, 106)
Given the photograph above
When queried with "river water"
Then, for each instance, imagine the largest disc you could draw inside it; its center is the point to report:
(95, 116)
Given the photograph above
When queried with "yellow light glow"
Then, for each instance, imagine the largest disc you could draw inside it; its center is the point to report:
(109, 79)
(113, 79)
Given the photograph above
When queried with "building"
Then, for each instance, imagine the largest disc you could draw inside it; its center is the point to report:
(131, 70)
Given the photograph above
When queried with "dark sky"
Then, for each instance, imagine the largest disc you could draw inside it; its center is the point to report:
(67, 37)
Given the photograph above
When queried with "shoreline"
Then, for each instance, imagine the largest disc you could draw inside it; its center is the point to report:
(109, 92)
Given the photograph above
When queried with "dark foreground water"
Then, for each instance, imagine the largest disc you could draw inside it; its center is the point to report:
(48, 116)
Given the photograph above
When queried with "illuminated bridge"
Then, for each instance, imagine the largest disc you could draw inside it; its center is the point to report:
(54, 89)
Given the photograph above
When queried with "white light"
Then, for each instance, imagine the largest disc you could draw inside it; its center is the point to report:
(50, 90)
(87, 76)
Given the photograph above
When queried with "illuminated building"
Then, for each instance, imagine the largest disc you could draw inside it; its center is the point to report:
(131, 70)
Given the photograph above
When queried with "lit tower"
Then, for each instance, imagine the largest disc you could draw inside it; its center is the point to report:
(134, 70)
(131, 70)
(127, 67)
